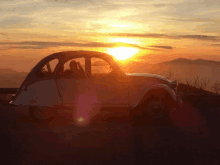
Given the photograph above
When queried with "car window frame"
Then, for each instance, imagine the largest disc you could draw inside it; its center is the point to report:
(47, 64)
(62, 63)
(109, 61)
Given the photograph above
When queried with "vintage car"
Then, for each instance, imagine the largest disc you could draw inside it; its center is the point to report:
(101, 86)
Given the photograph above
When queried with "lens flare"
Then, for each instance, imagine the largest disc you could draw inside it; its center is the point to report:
(80, 120)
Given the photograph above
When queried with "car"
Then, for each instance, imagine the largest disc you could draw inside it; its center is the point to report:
(101, 87)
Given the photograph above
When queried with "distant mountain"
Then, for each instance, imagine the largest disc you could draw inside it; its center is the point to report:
(135, 66)
(195, 62)
(178, 60)
(10, 78)
(183, 69)
(10, 71)
(186, 68)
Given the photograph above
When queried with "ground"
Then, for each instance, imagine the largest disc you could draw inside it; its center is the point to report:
(191, 138)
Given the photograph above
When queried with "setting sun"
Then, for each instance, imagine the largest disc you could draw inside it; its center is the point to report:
(122, 53)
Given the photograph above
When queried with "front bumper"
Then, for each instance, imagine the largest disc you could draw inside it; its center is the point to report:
(11, 104)
(174, 85)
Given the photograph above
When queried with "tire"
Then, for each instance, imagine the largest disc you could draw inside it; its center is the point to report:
(153, 110)
(156, 108)
(41, 115)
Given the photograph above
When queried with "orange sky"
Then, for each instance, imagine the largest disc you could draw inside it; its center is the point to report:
(157, 30)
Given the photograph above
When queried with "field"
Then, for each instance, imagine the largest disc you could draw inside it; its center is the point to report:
(191, 137)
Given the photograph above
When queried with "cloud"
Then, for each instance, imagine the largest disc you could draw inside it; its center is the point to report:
(217, 45)
(141, 47)
(209, 27)
(163, 47)
(50, 10)
(205, 24)
(102, 14)
(149, 35)
(20, 47)
(191, 8)
(155, 35)
(70, 1)
(200, 37)
(44, 45)
(13, 7)
(16, 22)
(160, 5)
(196, 19)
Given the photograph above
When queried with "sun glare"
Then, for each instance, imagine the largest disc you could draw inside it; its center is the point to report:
(122, 53)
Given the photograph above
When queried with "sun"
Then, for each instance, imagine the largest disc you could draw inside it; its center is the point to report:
(122, 53)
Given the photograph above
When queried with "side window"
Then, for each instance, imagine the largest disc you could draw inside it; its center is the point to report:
(99, 67)
(53, 63)
(81, 61)
(74, 68)
(47, 69)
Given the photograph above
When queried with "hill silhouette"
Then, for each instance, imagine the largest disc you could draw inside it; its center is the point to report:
(10, 78)
(5, 71)
(195, 62)
(182, 69)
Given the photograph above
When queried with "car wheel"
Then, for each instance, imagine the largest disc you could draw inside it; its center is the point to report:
(156, 108)
(153, 110)
(41, 115)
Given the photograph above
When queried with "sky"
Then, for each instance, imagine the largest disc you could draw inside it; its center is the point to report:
(160, 30)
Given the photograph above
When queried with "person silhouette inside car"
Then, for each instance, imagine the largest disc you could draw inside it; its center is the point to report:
(73, 71)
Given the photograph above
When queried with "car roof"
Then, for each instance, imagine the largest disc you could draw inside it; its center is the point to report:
(78, 53)
(67, 55)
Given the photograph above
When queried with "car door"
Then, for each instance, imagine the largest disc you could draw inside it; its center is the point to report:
(74, 91)
(40, 88)
(107, 89)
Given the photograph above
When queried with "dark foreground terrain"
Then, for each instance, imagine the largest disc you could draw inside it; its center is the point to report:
(192, 137)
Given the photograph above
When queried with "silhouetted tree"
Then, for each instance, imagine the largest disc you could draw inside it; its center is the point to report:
(170, 75)
(216, 87)
(198, 82)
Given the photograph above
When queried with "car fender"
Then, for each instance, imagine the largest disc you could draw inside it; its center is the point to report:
(158, 86)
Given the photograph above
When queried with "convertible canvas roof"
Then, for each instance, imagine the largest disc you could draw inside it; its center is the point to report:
(71, 54)
(79, 53)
